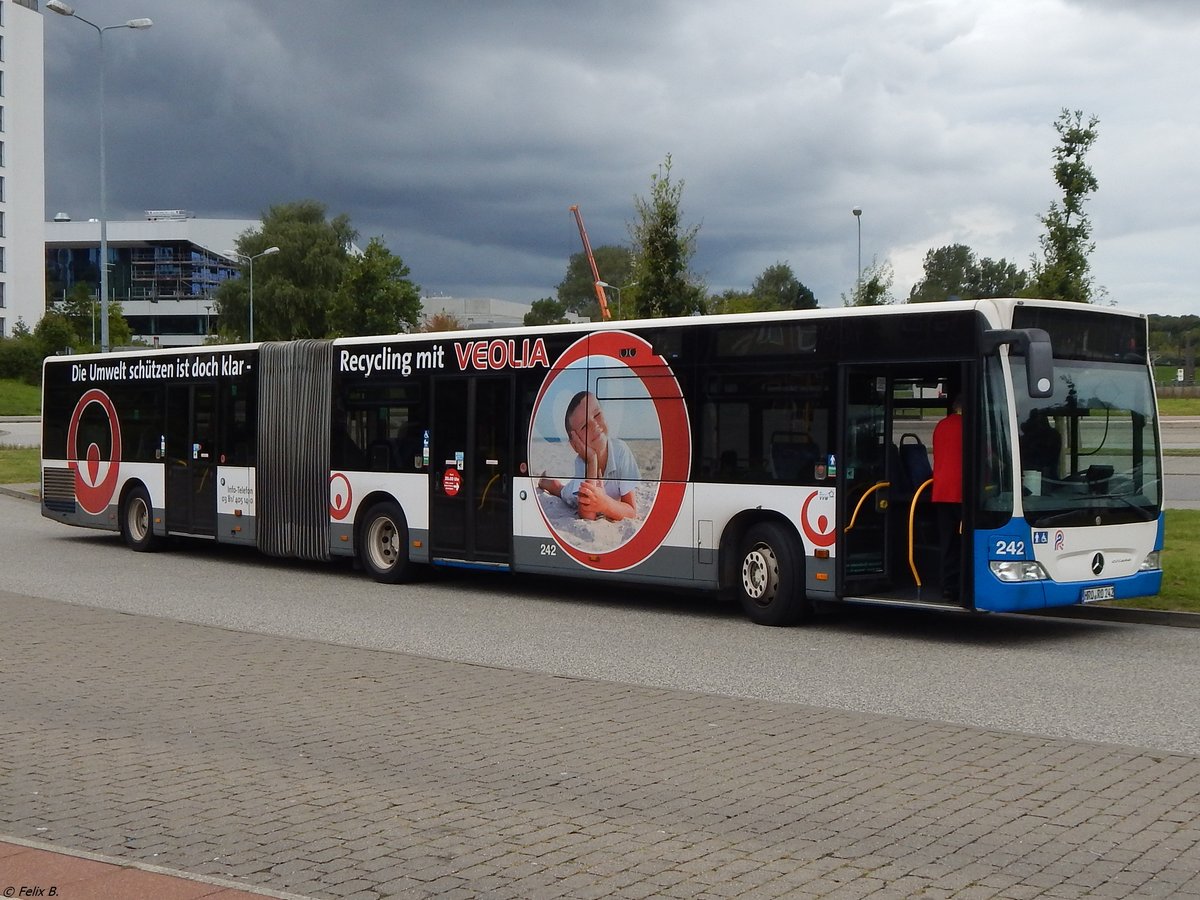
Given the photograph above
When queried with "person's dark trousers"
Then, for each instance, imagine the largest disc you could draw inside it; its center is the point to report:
(949, 516)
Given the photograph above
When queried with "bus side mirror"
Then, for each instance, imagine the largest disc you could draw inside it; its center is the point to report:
(1034, 344)
(1039, 364)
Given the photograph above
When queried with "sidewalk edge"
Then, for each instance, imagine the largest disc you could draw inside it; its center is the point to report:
(21, 493)
(123, 863)
(1121, 614)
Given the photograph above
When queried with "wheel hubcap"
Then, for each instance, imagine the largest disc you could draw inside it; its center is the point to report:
(139, 519)
(760, 574)
(383, 543)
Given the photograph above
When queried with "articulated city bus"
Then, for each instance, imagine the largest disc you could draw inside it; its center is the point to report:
(783, 458)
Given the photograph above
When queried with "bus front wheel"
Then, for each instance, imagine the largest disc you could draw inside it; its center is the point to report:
(771, 576)
(137, 521)
(383, 543)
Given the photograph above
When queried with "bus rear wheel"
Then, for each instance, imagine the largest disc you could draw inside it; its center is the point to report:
(137, 521)
(771, 576)
(383, 543)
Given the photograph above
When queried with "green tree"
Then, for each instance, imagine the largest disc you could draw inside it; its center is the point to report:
(874, 288)
(375, 295)
(294, 289)
(948, 270)
(577, 291)
(733, 301)
(778, 288)
(54, 333)
(663, 250)
(21, 357)
(998, 278)
(119, 332)
(82, 310)
(1064, 272)
(546, 311)
(954, 271)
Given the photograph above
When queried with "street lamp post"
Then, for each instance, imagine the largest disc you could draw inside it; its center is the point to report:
(139, 24)
(250, 260)
(610, 287)
(858, 217)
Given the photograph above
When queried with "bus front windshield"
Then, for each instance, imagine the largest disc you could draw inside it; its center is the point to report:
(1089, 454)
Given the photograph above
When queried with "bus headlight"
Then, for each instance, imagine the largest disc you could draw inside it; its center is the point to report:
(1018, 570)
(1151, 563)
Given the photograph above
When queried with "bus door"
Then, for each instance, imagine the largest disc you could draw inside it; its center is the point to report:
(191, 459)
(470, 467)
(890, 545)
(863, 484)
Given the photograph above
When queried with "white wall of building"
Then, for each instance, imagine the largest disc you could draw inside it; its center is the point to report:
(23, 166)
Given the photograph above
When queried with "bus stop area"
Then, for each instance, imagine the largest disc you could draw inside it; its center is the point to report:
(209, 761)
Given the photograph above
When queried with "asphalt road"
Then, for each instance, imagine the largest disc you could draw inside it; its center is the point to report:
(1127, 684)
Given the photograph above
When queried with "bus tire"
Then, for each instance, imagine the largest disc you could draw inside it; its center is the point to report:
(137, 521)
(770, 576)
(383, 543)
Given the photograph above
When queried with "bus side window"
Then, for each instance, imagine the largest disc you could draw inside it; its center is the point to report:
(409, 446)
(794, 455)
(764, 426)
(345, 452)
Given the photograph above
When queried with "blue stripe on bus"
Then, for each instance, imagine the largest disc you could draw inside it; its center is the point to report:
(993, 595)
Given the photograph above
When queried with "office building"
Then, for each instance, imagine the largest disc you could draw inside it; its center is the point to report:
(22, 165)
(164, 270)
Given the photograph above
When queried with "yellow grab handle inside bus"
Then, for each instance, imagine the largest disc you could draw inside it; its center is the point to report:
(863, 499)
(483, 496)
(912, 511)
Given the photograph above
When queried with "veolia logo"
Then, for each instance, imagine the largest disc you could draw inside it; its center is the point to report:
(96, 479)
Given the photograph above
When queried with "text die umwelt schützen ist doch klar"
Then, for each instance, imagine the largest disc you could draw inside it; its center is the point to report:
(159, 370)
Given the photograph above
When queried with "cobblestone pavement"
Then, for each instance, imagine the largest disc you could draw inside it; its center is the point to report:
(329, 771)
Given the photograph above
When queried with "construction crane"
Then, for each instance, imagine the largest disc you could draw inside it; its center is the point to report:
(596, 283)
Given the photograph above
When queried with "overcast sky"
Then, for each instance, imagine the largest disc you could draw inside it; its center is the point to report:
(461, 132)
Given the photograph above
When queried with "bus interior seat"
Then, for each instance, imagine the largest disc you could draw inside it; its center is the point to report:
(914, 461)
(794, 455)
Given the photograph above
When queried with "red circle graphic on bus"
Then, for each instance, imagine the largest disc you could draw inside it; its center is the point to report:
(451, 482)
(96, 479)
(819, 532)
(610, 450)
(340, 496)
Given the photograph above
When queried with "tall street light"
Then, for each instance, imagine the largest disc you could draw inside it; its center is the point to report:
(139, 24)
(250, 260)
(611, 287)
(858, 217)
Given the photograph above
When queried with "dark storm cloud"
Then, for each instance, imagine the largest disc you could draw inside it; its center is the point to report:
(461, 132)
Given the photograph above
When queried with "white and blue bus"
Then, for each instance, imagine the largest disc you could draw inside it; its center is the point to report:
(782, 458)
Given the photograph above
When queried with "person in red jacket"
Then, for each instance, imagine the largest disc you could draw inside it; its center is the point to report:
(948, 494)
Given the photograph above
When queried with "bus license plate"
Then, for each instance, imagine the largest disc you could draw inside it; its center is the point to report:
(1093, 594)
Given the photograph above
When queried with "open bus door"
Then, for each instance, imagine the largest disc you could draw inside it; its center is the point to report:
(470, 471)
(888, 538)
